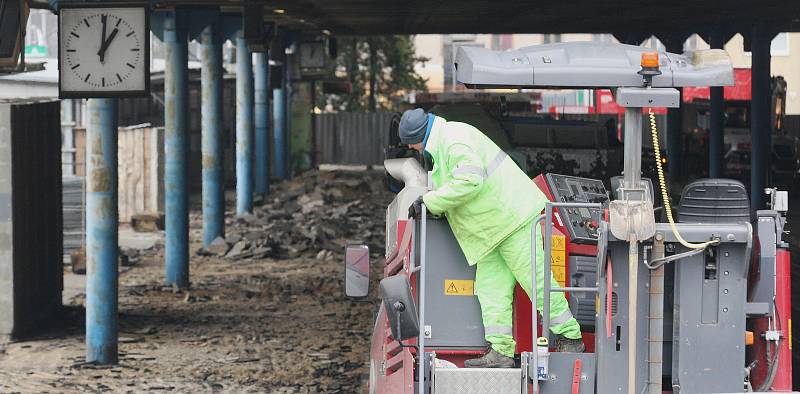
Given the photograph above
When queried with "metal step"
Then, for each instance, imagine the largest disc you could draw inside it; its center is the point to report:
(477, 380)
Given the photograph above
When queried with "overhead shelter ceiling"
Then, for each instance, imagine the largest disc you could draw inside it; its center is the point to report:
(375, 17)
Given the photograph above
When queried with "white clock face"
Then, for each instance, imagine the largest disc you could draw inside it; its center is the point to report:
(103, 50)
(312, 54)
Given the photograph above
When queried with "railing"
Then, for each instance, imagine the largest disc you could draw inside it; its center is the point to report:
(533, 371)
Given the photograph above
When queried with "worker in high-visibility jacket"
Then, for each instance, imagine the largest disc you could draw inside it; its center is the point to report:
(490, 204)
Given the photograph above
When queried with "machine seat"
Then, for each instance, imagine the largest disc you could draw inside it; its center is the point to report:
(714, 200)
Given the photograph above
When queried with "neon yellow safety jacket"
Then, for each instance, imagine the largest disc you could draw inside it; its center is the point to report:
(480, 190)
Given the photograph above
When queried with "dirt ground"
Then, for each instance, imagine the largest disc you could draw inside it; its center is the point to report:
(277, 324)
(270, 318)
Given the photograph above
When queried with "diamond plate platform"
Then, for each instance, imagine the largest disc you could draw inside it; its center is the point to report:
(477, 380)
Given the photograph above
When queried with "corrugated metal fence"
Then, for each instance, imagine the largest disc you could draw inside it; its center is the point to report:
(355, 138)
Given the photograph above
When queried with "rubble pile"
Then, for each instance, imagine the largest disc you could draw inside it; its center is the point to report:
(313, 215)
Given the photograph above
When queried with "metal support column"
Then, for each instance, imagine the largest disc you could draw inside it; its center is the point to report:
(675, 141)
(102, 233)
(244, 127)
(212, 137)
(716, 137)
(632, 172)
(674, 43)
(287, 119)
(262, 112)
(632, 165)
(176, 149)
(279, 122)
(760, 133)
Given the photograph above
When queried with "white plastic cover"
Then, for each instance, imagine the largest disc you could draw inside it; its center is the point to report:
(589, 65)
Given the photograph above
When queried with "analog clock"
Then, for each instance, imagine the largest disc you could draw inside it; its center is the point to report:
(103, 51)
(312, 54)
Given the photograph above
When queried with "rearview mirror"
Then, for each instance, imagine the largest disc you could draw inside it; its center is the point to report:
(399, 306)
(356, 271)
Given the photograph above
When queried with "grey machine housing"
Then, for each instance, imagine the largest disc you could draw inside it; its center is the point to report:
(587, 65)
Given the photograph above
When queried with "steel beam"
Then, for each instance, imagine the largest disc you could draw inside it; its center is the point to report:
(176, 148)
(212, 136)
(760, 132)
(262, 115)
(244, 127)
(102, 233)
(280, 124)
(716, 136)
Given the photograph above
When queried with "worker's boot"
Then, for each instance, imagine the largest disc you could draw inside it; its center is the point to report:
(492, 359)
(566, 345)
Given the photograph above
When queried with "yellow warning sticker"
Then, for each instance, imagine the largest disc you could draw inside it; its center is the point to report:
(790, 334)
(459, 287)
(558, 242)
(558, 266)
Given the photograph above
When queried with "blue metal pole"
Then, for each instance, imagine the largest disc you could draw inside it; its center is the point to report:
(675, 141)
(212, 143)
(716, 134)
(279, 115)
(287, 120)
(716, 137)
(261, 79)
(244, 127)
(280, 124)
(176, 147)
(102, 237)
(760, 133)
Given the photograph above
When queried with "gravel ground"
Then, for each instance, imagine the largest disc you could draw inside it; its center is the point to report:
(277, 324)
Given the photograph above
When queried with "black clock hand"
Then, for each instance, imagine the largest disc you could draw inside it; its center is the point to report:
(104, 19)
(105, 45)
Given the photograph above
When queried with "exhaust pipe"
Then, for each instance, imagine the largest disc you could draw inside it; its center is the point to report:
(407, 170)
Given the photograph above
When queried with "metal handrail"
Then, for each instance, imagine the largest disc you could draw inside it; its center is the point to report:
(548, 238)
(534, 317)
(421, 282)
(548, 234)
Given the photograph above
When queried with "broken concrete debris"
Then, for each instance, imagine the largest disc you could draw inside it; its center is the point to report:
(218, 247)
(147, 222)
(128, 257)
(313, 215)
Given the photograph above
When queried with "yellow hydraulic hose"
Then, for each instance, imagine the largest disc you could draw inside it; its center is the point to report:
(663, 185)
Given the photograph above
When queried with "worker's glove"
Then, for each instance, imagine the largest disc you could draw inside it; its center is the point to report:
(415, 210)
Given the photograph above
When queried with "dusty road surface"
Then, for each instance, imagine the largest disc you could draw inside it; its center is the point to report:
(265, 311)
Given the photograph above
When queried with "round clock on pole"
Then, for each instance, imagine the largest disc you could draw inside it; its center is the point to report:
(104, 50)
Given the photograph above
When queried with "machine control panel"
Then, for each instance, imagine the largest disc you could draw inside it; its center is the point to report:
(582, 223)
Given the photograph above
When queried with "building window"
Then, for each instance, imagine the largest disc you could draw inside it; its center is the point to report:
(780, 45)
(551, 38)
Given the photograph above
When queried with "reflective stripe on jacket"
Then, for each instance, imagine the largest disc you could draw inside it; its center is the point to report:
(480, 190)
